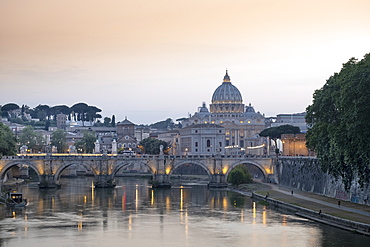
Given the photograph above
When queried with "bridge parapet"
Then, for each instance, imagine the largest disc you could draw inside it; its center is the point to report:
(106, 166)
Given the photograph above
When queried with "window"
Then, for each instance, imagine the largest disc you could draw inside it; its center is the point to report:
(241, 143)
(220, 144)
(227, 143)
(196, 144)
(208, 143)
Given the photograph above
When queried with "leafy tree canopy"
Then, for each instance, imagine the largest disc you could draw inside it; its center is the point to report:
(339, 120)
(7, 141)
(87, 143)
(239, 175)
(165, 124)
(58, 139)
(44, 108)
(276, 132)
(113, 121)
(33, 140)
(9, 107)
(151, 145)
(107, 121)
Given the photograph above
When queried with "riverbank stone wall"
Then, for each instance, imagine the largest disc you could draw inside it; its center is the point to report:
(304, 173)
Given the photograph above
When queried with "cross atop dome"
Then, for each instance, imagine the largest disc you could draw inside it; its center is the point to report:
(226, 77)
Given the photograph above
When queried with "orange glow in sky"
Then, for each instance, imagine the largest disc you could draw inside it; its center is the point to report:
(150, 60)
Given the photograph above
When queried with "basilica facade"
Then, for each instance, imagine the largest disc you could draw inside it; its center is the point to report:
(240, 124)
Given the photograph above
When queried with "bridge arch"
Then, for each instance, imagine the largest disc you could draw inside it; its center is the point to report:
(176, 165)
(8, 166)
(264, 173)
(123, 164)
(59, 171)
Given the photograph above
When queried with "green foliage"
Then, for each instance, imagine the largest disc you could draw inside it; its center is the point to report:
(7, 141)
(151, 145)
(58, 139)
(339, 120)
(9, 107)
(33, 140)
(83, 112)
(166, 124)
(239, 175)
(107, 122)
(42, 112)
(87, 143)
(16, 120)
(55, 110)
(113, 121)
(276, 132)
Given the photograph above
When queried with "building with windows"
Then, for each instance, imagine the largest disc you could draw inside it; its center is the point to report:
(172, 138)
(61, 121)
(201, 139)
(295, 119)
(241, 123)
(295, 145)
(126, 135)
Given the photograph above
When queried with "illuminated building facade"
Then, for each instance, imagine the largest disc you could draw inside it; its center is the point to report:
(201, 139)
(295, 145)
(241, 123)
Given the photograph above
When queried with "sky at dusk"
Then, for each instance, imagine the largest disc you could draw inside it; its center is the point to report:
(151, 60)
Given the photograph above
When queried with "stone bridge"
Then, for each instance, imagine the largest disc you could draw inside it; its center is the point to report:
(104, 167)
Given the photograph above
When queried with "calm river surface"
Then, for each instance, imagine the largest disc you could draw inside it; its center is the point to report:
(132, 214)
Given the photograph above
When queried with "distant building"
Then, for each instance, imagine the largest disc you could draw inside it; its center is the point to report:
(126, 135)
(295, 119)
(202, 139)
(241, 123)
(295, 145)
(62, 121)
(172, 138)
(141, 133)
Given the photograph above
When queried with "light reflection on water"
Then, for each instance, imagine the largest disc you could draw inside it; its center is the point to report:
(133, 214)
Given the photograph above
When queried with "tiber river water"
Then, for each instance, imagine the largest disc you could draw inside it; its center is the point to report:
(132, 214)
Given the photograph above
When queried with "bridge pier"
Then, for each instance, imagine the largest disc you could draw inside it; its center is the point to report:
(104, 181)
(48, 182)
(161, 181)
(217, 181)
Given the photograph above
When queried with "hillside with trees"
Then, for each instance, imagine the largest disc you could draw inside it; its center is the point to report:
(43, 116)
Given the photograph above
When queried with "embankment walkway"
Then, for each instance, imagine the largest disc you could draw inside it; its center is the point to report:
(320, 208)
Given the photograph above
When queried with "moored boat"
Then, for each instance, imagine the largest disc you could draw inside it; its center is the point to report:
(15, 200)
